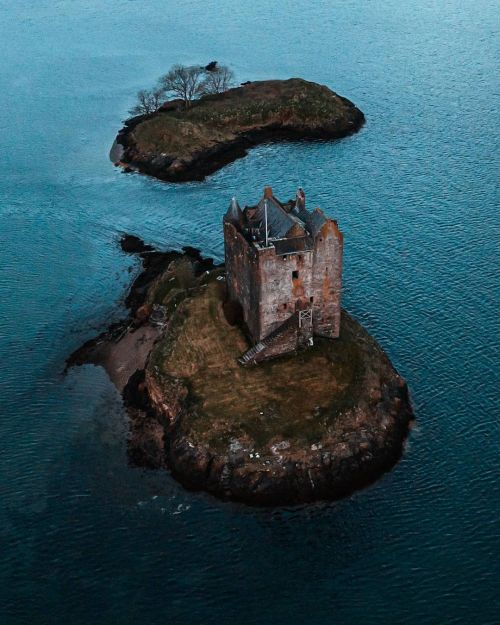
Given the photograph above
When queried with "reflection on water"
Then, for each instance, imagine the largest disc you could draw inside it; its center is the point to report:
(85, 538)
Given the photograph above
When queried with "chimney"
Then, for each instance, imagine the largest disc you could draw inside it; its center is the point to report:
(300, 199)
(268, 192)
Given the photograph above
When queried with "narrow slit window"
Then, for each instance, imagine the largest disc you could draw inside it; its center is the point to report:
(295, 275)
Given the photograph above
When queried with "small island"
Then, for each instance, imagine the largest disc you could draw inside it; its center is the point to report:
(178, 143)
(244, 397)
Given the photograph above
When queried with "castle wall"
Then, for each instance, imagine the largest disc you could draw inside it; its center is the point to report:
(281, 293)
(242, 276)
(327, 280)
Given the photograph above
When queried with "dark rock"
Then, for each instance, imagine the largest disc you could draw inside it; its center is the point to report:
(172, 105)
(133, 245)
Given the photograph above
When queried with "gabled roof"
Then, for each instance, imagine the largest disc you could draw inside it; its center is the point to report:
(315, 221)
(279, 222)
(292, 246)
(285, 222)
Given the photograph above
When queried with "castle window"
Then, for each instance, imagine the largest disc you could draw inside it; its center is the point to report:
(285, 306)
(311, 299)
(295, 275)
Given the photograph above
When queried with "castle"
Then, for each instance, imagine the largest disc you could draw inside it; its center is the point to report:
(284, 272)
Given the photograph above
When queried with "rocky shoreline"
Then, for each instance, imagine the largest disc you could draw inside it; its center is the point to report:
(220, 129)
(125, 345)
(168, 418)
(322, 471)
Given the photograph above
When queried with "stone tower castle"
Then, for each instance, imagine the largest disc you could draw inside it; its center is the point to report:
(284, 269)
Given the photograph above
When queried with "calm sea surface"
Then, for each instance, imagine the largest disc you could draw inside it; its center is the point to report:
(86, 539)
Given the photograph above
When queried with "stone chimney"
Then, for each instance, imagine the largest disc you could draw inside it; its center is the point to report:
(268, 192)
(300, 199)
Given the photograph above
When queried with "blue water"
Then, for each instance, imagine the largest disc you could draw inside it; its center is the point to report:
(86, 539)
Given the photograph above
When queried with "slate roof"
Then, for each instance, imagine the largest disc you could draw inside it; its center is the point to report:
(291, 228)
(279, 222)
(292, 246)
(315, 221)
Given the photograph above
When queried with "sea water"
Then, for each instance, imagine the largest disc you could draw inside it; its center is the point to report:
(86, 538)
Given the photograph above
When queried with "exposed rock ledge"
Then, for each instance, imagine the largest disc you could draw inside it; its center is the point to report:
(177, 144)
(312, 426)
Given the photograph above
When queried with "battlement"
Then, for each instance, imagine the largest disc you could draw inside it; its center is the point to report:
(280, 259)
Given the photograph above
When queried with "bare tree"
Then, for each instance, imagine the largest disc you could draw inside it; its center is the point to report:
(218, 80)
(186, 83)
(148, 101)
(183, 82)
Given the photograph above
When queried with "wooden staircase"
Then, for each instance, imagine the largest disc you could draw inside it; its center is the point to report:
(251, 356)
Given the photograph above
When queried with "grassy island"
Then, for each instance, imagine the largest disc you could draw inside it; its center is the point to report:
(177, 143)
(296, 397)
(316, 424)
(311, 425)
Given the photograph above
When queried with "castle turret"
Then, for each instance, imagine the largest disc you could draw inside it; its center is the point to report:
(234, 213)
(300, 200)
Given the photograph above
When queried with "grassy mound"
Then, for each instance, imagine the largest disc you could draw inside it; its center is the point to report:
(302, 397)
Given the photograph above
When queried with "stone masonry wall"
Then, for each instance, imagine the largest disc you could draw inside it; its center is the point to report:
(271, 288)
(242, 276)
(282, 293)
(327, 280)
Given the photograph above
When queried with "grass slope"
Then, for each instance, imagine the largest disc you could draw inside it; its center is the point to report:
(299, 398)
(219, 118)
